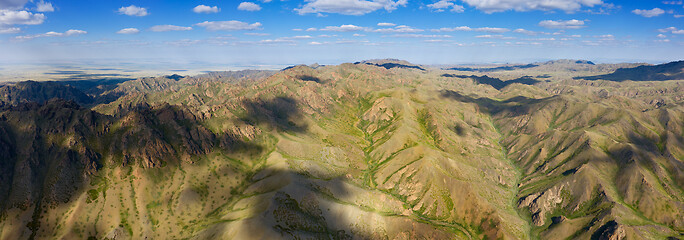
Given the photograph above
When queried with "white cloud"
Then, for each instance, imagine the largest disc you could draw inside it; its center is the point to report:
(249, 6)
(526, 32)
(358, 35)
(229, 25)
(128, 31)
(673, 2)
(678, 16)
(133, 10)
(349, 7)
(490, 6)
(441, 5)
(315, 43)
(166, 28)
(661, 36)
(461, 28)
(311, 29)
(9, 30)
(649, 13)
(206, 9)
(467, 29)
(492, 30)
(44, 7)
(398, 29)
(497, 36)
(672, 30)
(9, 17)
(458, 9)
(343, 28)
(386, 24)
(296, 37)
(12, 4)
(257, 34)
(71, 32)
(569, 24)
(420, 36)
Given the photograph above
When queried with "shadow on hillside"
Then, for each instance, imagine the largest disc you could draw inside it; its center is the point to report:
(514, 106)
(309, 78)
(39, 174)
(280, 113)
(496, 83)
(287, 204)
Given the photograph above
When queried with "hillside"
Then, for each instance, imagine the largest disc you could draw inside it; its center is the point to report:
(352, 151)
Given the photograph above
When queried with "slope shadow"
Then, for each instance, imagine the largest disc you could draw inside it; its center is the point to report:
(496, 83)
(280, 113)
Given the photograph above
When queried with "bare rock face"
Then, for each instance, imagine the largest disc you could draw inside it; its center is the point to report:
(609, 231)
(542, 203)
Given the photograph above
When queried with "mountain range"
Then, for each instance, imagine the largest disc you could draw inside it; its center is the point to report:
(379, 149)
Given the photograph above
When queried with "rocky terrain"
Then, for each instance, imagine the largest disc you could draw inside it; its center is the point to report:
(380, 149)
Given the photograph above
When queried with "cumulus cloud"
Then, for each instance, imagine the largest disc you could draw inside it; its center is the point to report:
(206, 9)
(524, 31)
(343, 28)
(492, 30)
(133, 10)
(490, 6)
(467, 29)
(398, 29)
(441, 5)
(661, 36)
(386, 24)
(229, 25)
(649, 13)
(496, 36)
(10, 17)
(128, 31)
(257, 34)
(672, 30)
(12, 4)
(454, 29)
(249, 6)
(44, 7)
(296, 37)
(349, 7)
(569, 24)
(420, 36)
(166, 28)
(9, 30)
(71, 32)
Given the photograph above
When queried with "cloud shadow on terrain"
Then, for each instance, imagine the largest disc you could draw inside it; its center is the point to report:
(289, 204)
(280, 113)
(53, 175)
(496, 83)
(515, 106)
(309, 78)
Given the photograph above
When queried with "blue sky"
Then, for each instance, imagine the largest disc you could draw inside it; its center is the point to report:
(274, 32)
